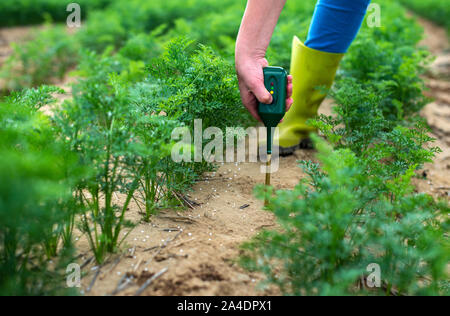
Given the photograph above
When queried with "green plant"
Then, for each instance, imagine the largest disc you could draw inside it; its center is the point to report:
(93, 125)
(360, 123)
(199, 85)
(194, 85)
(123, 145)
(103, 30)
(37, 176)
(49, 55)
(34, 98)
(141, 47)
(395, 69)
(125, 19)
(332, 231)
(153, 165)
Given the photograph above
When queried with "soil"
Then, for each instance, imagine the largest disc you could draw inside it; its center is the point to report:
(436, 176)
(197, 248)
(201, 257)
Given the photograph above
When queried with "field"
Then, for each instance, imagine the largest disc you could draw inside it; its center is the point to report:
(88, 180)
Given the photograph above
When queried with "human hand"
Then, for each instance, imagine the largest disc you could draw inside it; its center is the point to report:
(251, 84)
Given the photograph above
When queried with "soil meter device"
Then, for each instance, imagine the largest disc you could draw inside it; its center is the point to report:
(275, 81)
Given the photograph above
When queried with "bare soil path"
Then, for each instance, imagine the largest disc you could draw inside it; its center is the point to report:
(437, 174)
(201, 257)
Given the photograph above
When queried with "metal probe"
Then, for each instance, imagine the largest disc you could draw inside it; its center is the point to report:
(268, 171)
(275, 81)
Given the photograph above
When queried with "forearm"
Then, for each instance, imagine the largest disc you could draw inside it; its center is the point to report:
(258, 24)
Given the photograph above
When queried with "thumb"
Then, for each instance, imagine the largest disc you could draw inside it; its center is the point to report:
(260, 92)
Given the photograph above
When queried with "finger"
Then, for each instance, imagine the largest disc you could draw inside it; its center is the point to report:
(289, 103)
(251, 104)
(257, 87)
(290, 78)
(289, 87)
(253, 109)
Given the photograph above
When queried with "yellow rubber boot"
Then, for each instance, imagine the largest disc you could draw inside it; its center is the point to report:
(311, 69)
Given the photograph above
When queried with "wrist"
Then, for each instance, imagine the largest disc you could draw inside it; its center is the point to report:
(245, 53)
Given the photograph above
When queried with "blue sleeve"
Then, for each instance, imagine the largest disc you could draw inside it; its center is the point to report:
(335, 24)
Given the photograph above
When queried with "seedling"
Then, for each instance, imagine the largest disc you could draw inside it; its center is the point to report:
(275, 81)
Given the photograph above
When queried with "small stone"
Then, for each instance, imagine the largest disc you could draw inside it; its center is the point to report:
(242, 277)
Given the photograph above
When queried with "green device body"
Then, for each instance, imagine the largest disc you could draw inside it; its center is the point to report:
(275, 81)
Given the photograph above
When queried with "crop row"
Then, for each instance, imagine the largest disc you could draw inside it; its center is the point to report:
(435, 10)
(29, 12)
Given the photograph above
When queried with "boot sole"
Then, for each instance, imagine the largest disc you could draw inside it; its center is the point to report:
(288, 151)
(305, 144)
